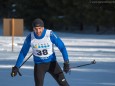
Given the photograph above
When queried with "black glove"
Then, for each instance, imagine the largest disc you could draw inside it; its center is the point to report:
(66, 67)
(14, 72)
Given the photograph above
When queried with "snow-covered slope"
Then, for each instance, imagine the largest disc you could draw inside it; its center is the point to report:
(80, 47)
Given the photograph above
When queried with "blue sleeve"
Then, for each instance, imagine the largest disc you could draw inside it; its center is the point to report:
(24, 51)
(58, 42)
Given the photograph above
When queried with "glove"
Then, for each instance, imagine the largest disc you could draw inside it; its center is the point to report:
(14, 72)
(66, 67)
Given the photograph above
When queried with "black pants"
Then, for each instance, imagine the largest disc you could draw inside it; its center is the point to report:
(53, 68)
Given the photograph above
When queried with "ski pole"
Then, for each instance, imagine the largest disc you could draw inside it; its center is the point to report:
(26, 60)
(24, 63)
(92, 62)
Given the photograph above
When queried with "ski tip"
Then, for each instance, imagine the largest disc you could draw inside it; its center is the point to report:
(93, 62)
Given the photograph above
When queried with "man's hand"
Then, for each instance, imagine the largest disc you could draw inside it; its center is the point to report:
(14, 72)
(66, 66)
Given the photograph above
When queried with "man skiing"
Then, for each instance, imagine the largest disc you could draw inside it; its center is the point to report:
(41, 41)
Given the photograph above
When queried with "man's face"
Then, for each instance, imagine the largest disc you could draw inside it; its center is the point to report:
(38, 30)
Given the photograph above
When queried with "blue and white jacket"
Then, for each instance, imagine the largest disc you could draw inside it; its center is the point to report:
(36, 56)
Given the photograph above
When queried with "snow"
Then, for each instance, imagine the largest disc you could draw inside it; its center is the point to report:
(82, 49)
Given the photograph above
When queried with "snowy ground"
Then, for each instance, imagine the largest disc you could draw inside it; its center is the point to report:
(82, 49)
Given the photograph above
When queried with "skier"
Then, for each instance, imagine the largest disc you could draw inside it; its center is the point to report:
(42, 42)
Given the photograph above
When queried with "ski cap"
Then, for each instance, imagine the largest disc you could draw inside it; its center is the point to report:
(38, 23)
